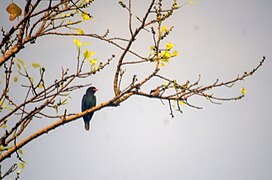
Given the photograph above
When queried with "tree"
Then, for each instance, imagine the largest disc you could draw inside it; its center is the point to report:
(63, 18)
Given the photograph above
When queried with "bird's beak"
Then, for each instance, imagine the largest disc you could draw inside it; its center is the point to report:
(95, 89)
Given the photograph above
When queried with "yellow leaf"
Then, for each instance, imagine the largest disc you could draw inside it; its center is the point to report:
(165, 55)
(182, 103)
(93, 53)
(19, 66)
(243, 91)
(96, 68)
(14, 11)
(79, 31)
(152, 48)
(191, 1)
(32, 79)
(65, 15)
(41, 85)
(164, 28)
(35, 65)
(15, 79)
(165, 84)
(93, 61)
(87, 54)
(22, 165)
(85, 16)
(20, 61)
(1, 102)
(86, 43)
(77, 42)
(20, 151)
(174, 53)
(4, 126)
(169, 46)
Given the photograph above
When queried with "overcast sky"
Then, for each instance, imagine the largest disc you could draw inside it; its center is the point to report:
(139, 139)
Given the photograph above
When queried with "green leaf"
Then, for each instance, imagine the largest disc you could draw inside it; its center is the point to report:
(2, 148)
(36, 65)
(20, 151)
(22, 165)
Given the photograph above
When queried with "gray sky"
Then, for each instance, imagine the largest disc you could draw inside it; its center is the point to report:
(139, 140)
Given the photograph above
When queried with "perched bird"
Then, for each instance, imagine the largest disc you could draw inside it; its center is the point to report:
(88, 101)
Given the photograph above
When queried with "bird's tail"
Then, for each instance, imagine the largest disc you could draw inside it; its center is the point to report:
(87, 125)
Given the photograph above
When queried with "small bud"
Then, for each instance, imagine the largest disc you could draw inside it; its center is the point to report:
(122, 4)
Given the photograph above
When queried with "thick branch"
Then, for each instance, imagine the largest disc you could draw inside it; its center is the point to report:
(58, 123)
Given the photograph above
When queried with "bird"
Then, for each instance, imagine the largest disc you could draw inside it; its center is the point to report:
(88, 101)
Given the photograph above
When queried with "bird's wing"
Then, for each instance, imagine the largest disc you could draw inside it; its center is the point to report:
(84, 103)
(93, 101)
(90, 101)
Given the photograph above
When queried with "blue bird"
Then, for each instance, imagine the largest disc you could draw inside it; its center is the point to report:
(88, 101)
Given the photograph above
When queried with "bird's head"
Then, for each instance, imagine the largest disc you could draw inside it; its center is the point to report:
(91, 89)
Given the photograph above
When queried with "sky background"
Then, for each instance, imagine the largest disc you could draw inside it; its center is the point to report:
(139, 139)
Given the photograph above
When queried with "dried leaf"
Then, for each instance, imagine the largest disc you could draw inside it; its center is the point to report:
(14, 11)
